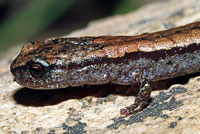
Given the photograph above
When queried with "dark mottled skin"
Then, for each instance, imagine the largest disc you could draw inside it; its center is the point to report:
(127, 60)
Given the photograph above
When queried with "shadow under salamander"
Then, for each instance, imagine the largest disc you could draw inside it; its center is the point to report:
(32, 97)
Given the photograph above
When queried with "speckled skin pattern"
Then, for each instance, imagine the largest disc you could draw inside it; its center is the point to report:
(125, 60)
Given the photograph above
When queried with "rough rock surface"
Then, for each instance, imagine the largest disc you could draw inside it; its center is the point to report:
(95, 109)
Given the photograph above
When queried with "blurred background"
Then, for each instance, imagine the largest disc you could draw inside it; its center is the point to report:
(23, 20)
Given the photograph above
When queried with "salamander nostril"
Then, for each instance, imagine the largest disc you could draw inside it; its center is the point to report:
(17, 74)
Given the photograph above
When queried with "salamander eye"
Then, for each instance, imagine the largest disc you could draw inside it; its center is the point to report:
(38, 68)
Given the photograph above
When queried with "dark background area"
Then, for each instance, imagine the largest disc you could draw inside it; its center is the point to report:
(23, 20)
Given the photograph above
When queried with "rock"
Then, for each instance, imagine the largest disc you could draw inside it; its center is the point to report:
(95, 109)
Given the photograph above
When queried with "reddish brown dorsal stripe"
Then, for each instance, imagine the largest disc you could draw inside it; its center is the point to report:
(118, 46)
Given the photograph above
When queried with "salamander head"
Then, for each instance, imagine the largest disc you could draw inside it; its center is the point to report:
(39, 66)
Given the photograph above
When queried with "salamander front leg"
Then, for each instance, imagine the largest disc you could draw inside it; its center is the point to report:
(142, 97)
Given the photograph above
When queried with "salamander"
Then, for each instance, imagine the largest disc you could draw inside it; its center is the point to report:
(125, 60)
